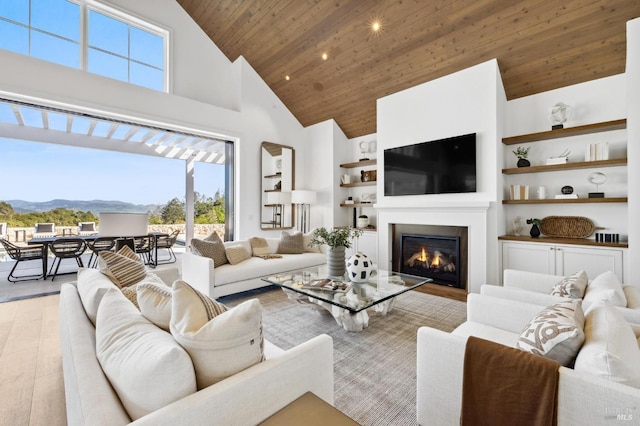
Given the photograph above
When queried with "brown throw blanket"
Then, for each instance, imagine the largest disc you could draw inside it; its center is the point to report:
(507, 386)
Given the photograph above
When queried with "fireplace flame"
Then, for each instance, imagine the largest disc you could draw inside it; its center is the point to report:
(423, 255)
(436, 259)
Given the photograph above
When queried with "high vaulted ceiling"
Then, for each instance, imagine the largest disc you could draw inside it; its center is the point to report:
(540, 45)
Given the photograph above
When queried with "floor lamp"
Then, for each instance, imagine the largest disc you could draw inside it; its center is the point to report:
(303, 198)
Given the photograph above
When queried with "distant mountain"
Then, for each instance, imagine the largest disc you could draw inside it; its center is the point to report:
(93, 206)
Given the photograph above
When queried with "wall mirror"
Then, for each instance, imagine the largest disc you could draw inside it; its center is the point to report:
(277, 171)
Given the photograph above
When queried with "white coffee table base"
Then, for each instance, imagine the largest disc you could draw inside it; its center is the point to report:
(348, 320)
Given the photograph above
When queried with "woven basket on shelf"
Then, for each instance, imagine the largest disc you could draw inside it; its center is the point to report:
(567, 226)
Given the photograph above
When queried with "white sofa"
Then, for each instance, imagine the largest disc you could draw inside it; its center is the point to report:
(246, 275)
(583, 399)
(245, 398)
(532, 287)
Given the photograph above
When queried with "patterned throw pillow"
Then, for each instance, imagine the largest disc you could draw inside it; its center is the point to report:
(236, 254)
(220, 342)
(291, 244)
(131, 293)
(259, 246)
(572, 286)
(557, 332)
(124, 268)
(211, 249)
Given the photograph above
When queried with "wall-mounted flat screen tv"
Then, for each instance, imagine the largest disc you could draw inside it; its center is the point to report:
(443, 166)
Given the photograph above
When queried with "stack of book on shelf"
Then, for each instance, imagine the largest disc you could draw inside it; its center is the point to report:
(557, 160)
(597, 151)
(566, 196)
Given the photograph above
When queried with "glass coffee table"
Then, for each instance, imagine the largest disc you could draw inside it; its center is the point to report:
(347, 301)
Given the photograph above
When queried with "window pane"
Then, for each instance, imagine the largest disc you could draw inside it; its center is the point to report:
(108, 65)
(16, 10)
(145, 76)
(55, 50)
(108, 34)
(14, 38)
(147, 48)
(58, 17)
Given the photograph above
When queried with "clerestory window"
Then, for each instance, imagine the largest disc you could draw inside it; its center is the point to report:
(87, 35)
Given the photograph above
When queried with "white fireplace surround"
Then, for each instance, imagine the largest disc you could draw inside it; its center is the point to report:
(473, 215)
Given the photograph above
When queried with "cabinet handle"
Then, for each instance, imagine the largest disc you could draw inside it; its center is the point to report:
(550, 248)
(559, 249)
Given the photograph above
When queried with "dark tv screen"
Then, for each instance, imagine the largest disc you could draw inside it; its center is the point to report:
(444, 166)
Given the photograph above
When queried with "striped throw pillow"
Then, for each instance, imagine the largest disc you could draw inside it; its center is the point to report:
(124, 268)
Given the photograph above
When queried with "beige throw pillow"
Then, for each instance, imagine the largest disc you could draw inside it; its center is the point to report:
(147, 368)
(220, 342)
(259, 246)
(555, 333)
(236, 254)
(291, 244)
(124, 268)
(92, 286)
(211, 249)
(605, 287)
(154, 300)
(308, 247)
(572, 286)
(610, 350)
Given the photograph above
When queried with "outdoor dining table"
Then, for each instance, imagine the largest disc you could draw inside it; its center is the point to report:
(45, 241)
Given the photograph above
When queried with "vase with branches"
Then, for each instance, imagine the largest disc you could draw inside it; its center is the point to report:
(522, 154)
(338, 240)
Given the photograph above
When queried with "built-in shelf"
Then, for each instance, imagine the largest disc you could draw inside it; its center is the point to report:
(356, 205)
(569, 131)
(568, 201)
(353, 185)
(557, 240)
(568, 166)
(272, 190)
(276, 175)
(355, 164)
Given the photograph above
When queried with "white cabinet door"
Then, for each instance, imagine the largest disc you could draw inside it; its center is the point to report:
(529, 257)
(593, 261)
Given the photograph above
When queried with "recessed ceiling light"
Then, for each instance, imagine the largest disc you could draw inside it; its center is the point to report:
(325, 56)
(286, 77)
(376, 26)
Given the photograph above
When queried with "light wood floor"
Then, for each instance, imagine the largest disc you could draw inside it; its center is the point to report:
(31, 384)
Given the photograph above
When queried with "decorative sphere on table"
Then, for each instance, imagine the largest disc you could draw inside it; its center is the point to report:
(359, 267)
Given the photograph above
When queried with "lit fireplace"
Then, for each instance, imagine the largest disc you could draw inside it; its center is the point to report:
(431, 256)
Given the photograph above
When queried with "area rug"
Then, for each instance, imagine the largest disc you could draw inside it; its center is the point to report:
(374, 370)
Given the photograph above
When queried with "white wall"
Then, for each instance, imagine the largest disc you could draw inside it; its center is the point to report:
(632, 268)
(210, 95)
(464, 102)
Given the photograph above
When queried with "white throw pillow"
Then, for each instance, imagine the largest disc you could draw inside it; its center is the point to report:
(610, 349)
(92, 285)
(308, 248)
(220, 342)
(605, 287)
(555, 333)
(154, 300)
(572, 286)
(146, 367)
(632, 294)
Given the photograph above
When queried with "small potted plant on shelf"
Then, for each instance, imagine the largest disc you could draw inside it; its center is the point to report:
(522, 154)
(535, 230)
(337, 239)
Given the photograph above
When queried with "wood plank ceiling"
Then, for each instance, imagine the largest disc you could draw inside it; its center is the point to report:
(540, 45)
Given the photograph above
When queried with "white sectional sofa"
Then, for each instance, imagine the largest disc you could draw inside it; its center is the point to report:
(583, 399)
(532, 287)
(245, 398)
(228, 279)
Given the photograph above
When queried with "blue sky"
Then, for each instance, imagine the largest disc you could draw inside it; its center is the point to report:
(35, 171)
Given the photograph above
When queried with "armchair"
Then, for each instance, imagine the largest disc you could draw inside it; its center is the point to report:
(45, 230)
(533, 287)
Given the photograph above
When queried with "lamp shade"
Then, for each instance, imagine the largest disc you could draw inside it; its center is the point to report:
(279, 197)
(123, 224)
(303, 196)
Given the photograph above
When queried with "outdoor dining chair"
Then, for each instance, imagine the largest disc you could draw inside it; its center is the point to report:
(66, 248)
(167, 242)
(22, 254)
(98, 245)
(143, 248)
